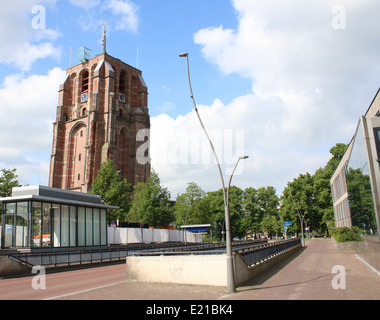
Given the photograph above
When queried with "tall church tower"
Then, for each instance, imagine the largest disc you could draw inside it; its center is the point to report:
(101, 113)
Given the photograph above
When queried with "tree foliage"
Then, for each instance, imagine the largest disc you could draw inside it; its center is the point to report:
(261, 210)
(151, 203)
(310, 195)
(8, 180)
(113, 189)
(247, 209)
(190, 207)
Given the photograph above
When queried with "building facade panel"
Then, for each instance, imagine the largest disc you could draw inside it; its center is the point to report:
(355, 183)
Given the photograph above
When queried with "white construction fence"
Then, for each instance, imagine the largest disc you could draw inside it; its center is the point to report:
(143, 235)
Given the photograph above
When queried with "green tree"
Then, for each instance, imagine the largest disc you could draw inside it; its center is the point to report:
(215, 204)
(322, 188)
(311, 195)
(151, 203)
(190, 207)
(268, 202)
(113, 189)
(271, 225)
(252, 212)
(236, 211)
(298, 199)
(8, 181)
(259, 205)
(337, 152)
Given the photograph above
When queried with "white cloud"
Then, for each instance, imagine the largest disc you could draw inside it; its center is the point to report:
(28, 53)
(310, 83)
(249, 126)
(124, 15)
(25, 41)
(127, 12)
(28, 109)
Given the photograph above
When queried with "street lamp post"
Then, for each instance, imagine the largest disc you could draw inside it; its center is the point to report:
(230, 263)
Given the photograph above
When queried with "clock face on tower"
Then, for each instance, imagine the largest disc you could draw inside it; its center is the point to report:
(122, 97)
(83, 97)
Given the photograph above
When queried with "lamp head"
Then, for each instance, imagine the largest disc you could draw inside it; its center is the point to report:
(184, 55)
(243, 157)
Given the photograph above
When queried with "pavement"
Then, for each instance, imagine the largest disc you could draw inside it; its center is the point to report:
(317, 272)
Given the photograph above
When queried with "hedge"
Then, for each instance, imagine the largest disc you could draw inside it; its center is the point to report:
(343, 234)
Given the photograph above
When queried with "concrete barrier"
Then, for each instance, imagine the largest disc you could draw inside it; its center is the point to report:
(180, 269)
(196, 269)
(12, 267)
(243, 272)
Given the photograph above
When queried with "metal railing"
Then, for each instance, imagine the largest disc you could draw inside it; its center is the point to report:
(251, 251)
(260, 253)
(59, 257)
(202, 249)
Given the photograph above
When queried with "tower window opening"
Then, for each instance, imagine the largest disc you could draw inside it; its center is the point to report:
(122, 82)
(85, 82)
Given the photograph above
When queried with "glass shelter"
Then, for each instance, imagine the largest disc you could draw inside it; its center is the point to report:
(39, 216)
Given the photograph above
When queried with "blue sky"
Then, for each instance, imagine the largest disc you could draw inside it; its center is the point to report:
(280, 81)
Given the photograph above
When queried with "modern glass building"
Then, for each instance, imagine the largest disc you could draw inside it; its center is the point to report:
(355, 184)
(39, 216)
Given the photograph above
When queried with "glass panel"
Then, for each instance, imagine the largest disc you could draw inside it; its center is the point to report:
(10, 208)
(81, 227)
(46, 224)
(96, 227)
(73, 226)
(88, 226)
(376, 133)
(103, 227)
(57, 224)
(9, 231)
(36, 224)
(65, 212)
(22, 225)
(359, 186)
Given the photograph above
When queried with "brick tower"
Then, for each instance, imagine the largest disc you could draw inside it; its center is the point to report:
(103, 106)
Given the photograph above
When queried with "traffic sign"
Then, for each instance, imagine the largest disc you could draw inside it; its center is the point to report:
(288, 223)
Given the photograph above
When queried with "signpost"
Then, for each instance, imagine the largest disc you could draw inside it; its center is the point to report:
(286, 225)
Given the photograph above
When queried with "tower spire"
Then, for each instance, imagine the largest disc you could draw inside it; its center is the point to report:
(104, 41)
